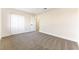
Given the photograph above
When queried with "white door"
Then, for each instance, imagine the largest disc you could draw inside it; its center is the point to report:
(17, 24)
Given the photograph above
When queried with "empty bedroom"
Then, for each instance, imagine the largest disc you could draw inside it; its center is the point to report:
(39, 29)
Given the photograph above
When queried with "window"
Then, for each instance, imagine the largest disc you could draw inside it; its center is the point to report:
(17, 23)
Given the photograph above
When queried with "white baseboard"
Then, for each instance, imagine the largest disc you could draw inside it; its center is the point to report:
(60, 36)
(13, 34)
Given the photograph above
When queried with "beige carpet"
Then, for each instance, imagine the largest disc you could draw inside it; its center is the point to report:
(36, 41)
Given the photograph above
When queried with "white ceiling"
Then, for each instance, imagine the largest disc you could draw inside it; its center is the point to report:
(34, 10)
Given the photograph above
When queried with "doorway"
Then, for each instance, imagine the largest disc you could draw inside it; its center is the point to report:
(21, 24)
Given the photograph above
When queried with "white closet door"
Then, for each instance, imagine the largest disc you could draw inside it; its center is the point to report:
(17, 24)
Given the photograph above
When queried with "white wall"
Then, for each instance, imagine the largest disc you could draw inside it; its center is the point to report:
(6, 30)
(63, 22)
(0, 23)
